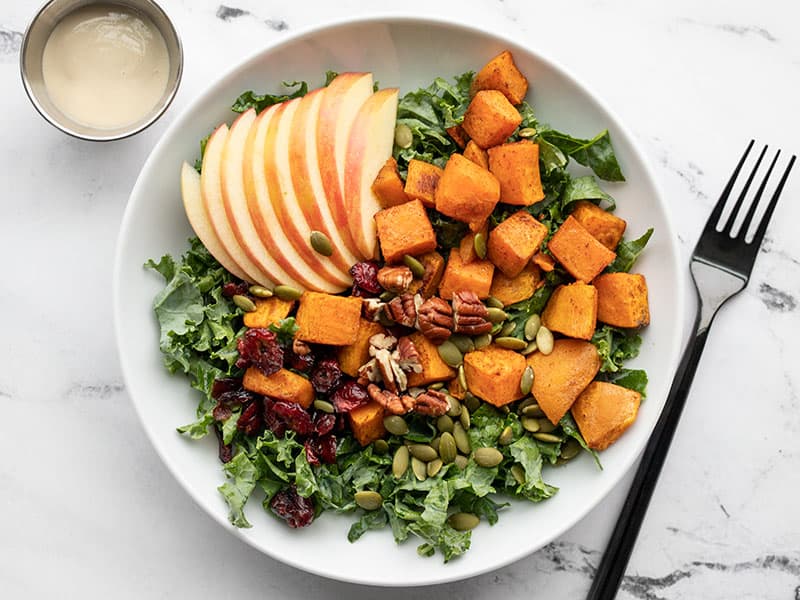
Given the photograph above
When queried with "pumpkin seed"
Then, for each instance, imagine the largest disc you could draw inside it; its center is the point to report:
(519, 474)
(447, 447)
(454, 407)
(444, 424)
(507, 329)
(400, 462)
(384, 319)
(546, 437)
(464, 419)
(506, 436)
(570, 449)
(482, 341)
(544, 340)
(287, 292)
(462, 378)
(471, 402)
(524, 404)
(434, 467)
(386, 296)
(545, 426)
(530, 424)
(259, 291)
(244, 303)
(529, 349)
(324, 406)
(526, 132)
(423, 452)
(395, 424)
(496, 315)
(533, 410)
(368, 500)
(532, 326)
(380, 446)
(420, 468)
(450, 353)
(479, 244)
(463, 521)
(403, 136)
(436, 386)
(461, 438)
(463, 342)
(493, 302)
(417, 268)
(511, 343)
(488, 457)
(495, 329)
(435, 443)
(321, 243)
(526, 381)
(461, 461)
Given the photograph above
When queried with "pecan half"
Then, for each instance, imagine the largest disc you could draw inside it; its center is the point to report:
(395, 279)
(381, 341)
(393, 377)
(403, 310)
(394, 404)
(471, 316)
(432, 403)
(435, 320)
(407, 355)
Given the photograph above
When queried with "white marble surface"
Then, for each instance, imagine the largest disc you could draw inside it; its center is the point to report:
(86, 508)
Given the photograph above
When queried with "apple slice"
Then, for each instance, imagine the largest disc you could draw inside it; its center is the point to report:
(368, 148)
(199, 220)
(343, 98)
(211, 189)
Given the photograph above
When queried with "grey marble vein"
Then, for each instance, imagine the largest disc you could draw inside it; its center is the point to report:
(97, 390)
(229, 13)
(740, 30)
(10, 42)
(776, 300)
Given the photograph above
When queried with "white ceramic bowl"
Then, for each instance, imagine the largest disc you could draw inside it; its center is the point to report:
(408, 53)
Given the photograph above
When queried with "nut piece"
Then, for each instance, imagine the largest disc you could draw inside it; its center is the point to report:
(470, 314)
(394, 404)
(407, 355)
(436, 320)
(372, 308)
(300, 348)
(369, 373)
(432, 403)
(393, 377)
(395, 279)
(403, 310)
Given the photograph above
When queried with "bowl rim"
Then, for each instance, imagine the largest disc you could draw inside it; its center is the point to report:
(384, 17)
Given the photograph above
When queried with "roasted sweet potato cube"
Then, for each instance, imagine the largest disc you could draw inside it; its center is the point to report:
(366, 422)
(467, 192)
(459, 136)
(352, 356)
(622, 299)
(544, 261)
(476, 154)
(388, 187)
(434, 269)
(268, 311)
(455, 390)
(404, 229)
(282, 385)
(422, 181)
(327, 319)
(572, 310)
(559, 377)
(493, 374)
(515, 289)
(604, 226)
(433, 367)
(490, 118)
(466, 248)
(604, 411)
(516, 166)
(578, 251)
(501, 74)
(513, 242)
(476, 276)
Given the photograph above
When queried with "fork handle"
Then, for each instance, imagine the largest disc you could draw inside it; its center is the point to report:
(615, 560)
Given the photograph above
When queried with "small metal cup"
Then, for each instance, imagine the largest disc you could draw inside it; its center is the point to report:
(30, 66)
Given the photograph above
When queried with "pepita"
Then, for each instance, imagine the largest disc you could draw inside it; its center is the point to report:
(526, 132)
(436, 386)
(380, 447)
(423, 452)
(287, 292)
(526, 381)
(324, 406)
(454, 407)
(544, 340)
(400, 462)
(444, 424)
(482, 341)
(545, 426)
(529, 349)
(530, 424)
(386, 295)
(244, 303)
(511, 343)
(435, 443)
(395, 424)
(368, 500)
(472, 402)
(321, 243)
(259, 291)
(525, 404)
(532, 326)
(488, 457)
(463, 342)
(461, 438)
(506, 436)
(533, 410)
(462, 378)
(493, 302)
(518, 473)
(403, 136)
(447, 448)
(417, 268)
(434, 467)
(420, 468)
(479, 244)
(495, 329)
(570, 449)
(464, 419)
(546, 437)
(496, 315)
(463, 521)
(450, 353)
(461, 461)
(507, 329)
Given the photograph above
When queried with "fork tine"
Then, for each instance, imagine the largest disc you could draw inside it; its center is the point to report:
(754, 204)
(762, 226)
(713, 219)
(731, 221)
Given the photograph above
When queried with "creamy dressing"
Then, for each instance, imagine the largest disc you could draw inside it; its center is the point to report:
(105, 66)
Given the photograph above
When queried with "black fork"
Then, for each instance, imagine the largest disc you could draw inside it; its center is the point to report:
(720, 265)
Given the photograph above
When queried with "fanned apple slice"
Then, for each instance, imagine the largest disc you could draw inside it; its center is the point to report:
(368, 148)
(211, 188)
(343, 98)
(199, 220)
(260, 185)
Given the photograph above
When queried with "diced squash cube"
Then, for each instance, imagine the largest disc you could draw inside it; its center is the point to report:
(578, 251)
(327, 319)
(516, 166)
(490, 118)
(572, 310)
(467, 192)
(604, 226)
(494, 373)
(455, 390)
(622, 299)
(433, 367)
(404, 229)
(476, 276)
(388, 187)
(467, 246)
(515, 289)
(459, 136)
(604, 411)
(422, 181)
(544, 261)
(283, 385)
(559, 377)
(476, 154)
(352, 356)
(366, 422)
(434, 269)
(268, 311)
(513, 242)
(501, 74)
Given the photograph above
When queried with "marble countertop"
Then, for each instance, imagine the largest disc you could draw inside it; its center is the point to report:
(87, 508)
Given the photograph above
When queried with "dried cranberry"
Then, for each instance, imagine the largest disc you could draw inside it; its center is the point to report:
(226, 384)
(259, 347)
(321, 449)
(225, 451)
(326, 376)
(324, 423)
(272, 420)
(250, 421)
(233, 288)
(235, 398)
(348, 396)
(365, 278)
(311, 452)
(299, 363)
(295, 416)
(221, 412)
(292, 507)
